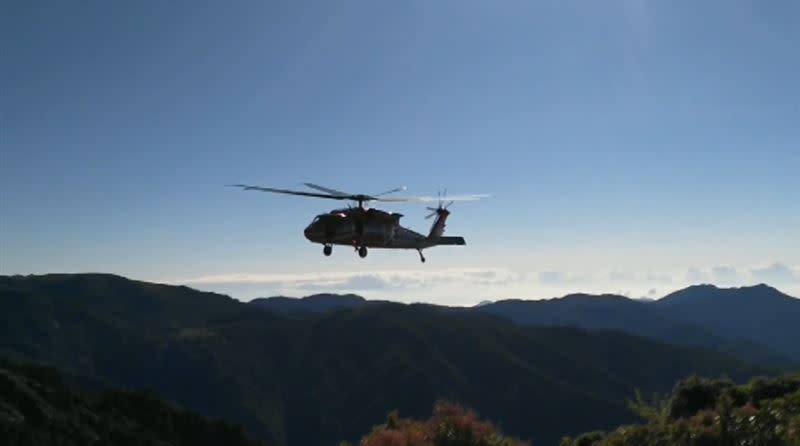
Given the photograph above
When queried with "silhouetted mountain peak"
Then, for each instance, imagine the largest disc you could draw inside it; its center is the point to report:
(758, 313)
(315, 303)
(712, 293)
(88, 277)
(337, 298)
(583, 297)
(575, 298)
(702, 286)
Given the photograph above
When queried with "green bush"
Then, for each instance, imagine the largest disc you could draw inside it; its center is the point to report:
(695, 394)
(707, 412)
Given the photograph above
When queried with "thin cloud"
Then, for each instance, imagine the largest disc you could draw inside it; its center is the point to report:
(695, 275)
(621, 276)
(461, 285)
(725, 274)
(363, 282)
(658, 278)
(358, 281)
(483, 274)
(775, 273)
(553, 278)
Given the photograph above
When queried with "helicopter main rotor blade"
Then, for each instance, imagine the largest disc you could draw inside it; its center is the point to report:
(327, 190)
(291, 192)
(360, 198)
(428, 199)
(396, 189)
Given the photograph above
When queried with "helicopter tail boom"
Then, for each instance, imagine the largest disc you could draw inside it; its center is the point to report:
(448, 240)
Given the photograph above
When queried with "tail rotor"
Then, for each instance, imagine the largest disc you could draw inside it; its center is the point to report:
(441, 207)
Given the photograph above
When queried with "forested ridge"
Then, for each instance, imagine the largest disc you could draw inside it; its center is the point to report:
(327, 377)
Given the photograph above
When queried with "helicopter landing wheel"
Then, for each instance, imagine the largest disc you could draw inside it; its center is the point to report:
(421, 257)
(362, 252)
(327, 250)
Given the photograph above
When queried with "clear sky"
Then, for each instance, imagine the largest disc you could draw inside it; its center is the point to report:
(630, 146)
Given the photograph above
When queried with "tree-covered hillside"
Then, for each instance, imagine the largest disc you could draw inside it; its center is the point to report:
(322, 378)
(36, 408)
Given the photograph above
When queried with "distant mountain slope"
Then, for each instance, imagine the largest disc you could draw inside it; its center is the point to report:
(598, 312)
(612, 312)
(323, 378)
(760, 314)
(36, 408)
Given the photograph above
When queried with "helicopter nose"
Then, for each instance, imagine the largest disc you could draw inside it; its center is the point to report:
(313, 232)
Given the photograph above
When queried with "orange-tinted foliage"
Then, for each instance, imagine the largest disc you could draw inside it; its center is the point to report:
(450, 425)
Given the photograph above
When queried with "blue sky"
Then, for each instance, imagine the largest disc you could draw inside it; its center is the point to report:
(630, 146)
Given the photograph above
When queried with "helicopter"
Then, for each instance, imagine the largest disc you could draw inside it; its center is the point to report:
(362, 227)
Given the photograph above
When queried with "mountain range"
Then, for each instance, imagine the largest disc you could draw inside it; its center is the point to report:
(325, 369)
(757, 323)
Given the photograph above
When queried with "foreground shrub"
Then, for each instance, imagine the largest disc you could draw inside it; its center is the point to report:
(706, 412)
(450, 425)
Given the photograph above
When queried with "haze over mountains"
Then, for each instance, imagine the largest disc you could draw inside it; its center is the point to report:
(327, 368)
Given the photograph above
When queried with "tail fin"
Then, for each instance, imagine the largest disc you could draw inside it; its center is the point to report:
(437, 229)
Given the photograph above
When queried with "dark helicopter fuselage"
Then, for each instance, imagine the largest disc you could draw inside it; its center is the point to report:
(358, 227)
(372, 228)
